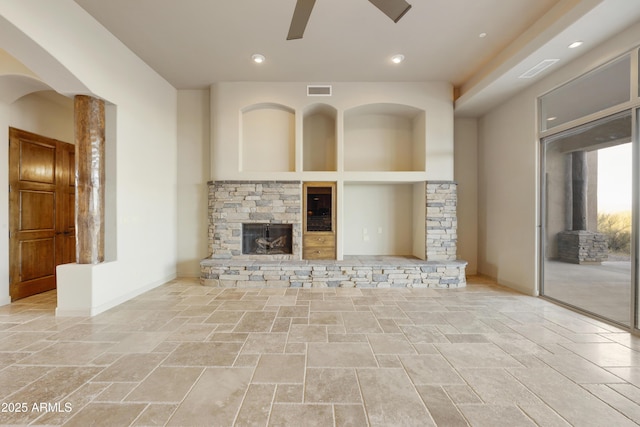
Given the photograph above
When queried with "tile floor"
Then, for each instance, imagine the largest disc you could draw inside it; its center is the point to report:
(185, 355)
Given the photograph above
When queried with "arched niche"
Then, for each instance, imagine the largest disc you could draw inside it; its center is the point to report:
(319, 138)
(45, 113)
(15, 86)
(384, 137)
(267, 138)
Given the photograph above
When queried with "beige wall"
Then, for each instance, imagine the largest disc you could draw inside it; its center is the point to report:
(193, 174)
(507, 194)
(466, 175)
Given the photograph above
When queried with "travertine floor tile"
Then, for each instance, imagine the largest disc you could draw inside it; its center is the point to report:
(568, 399)
(326, 385)
(390, 399)
(496, 386)
(340, 355)
(184, 354)
(390, 344)
(215, 398)
(256, 407)
(349, 415)
(311, 415)
(130, 367)
(156, 414)
(280, 368)
(430, 369)
(166, 385)
(204, 354)
(476, 356)
(496, 416)
(440, 406)
(106, 414)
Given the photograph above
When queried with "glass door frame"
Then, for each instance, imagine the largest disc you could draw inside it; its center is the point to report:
(634, 302)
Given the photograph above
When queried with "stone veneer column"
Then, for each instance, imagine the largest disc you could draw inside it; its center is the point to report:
(441, 220)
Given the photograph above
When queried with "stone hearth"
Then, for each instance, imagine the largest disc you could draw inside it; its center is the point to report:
(358, 271)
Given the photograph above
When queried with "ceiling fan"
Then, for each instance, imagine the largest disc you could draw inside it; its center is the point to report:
(394, 9)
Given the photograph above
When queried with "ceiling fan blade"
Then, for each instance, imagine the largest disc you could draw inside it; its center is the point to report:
(300, 18)
(394, 9)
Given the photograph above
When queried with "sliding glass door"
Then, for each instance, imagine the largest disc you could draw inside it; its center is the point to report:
(587, 224)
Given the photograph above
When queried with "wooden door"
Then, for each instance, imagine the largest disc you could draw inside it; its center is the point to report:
(41, 211)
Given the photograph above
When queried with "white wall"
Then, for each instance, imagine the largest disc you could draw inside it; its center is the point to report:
(44, 116)
(508, 159)
(193, 174)
(466, 175)
(70, 51)
(378, 219)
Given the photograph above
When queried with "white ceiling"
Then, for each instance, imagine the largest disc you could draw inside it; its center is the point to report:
(193, 43)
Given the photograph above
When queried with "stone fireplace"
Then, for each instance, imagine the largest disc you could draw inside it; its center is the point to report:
(255, 239)
(272, 205)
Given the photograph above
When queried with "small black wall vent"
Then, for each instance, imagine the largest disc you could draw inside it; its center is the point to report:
(319, 90)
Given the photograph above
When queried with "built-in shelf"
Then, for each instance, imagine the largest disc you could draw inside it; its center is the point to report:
(268, 138)
(383, 219)
(319, 138)
(380, 138)
(384, 137)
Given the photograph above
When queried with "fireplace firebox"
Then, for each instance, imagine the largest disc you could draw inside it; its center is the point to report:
(267, 239)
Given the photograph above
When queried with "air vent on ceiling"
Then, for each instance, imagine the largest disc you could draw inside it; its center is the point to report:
(537, 69)
(319, 90)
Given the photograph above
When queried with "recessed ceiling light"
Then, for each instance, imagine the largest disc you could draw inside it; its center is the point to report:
(575, 44)
(396, 59)
(482, 35)
(258, 58)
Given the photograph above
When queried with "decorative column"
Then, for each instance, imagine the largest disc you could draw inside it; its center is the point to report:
(579, 181)
(89, 138)
(441, 221)
(579, 245)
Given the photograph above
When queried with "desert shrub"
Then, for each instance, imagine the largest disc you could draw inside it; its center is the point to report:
(617, 229)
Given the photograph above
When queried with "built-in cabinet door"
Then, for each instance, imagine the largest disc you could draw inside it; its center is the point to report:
(41, 211)
(319, 220)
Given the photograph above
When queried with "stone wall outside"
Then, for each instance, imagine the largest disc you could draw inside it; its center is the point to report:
(582, 247)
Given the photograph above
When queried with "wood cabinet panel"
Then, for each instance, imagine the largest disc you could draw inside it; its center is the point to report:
(319, 253)
(319, 222)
